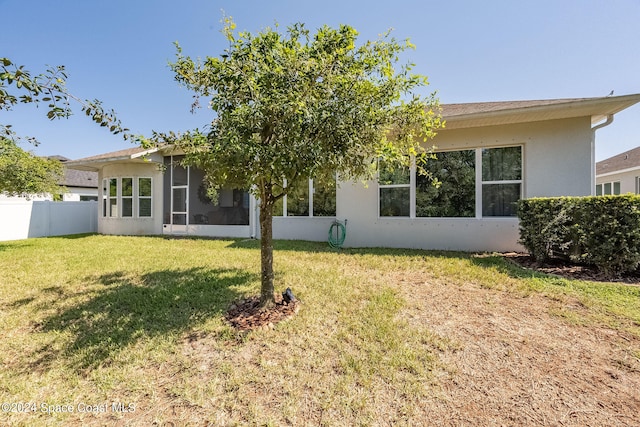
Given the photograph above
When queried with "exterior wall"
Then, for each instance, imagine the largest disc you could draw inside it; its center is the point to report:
(230, 231)
(73, 193)
(359, 206)
(556, 159)
(302, 228)
(24, 219)
(627, 180)
(556, 162)
(556, 155)
(133, 226)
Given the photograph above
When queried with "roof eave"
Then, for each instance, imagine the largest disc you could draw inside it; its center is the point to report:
(94, 165)
(596, 108)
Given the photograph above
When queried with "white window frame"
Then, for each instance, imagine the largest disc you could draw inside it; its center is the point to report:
(135, 197)
(139, 197)
(105, 197)
(116, 208)
(612, 188)
(412, 191)
(123, 197)
(311, 191)
(478, 186)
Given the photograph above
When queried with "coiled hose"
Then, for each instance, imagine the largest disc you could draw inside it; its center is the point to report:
(337, 234)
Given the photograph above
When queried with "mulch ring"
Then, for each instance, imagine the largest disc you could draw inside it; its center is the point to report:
(569, 270)
(246, 314)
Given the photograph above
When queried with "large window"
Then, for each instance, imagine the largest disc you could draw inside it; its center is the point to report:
(308, 198)
(126, 197)
(483, 182)
(455, 193)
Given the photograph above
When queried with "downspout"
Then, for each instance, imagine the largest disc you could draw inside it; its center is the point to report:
(593, 151)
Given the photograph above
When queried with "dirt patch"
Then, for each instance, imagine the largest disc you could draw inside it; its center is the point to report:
(515, 361)
(570, 270)
(246, 314)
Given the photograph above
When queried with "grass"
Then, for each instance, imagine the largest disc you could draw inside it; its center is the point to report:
(95, 320)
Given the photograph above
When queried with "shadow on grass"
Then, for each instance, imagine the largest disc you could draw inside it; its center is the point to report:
(509, 268)
(309, 246)
(132, 308)
(71, 236)
(13, 244)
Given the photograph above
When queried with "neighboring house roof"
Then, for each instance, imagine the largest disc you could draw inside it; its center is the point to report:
(79, 178)
(76, 178)
(627, 161)
(58, 158)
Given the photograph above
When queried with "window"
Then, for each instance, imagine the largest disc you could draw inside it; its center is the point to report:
(501, 180)
(144, 197)
(323, 201)
(309, 198)
(610, 188)
(113, 197)
(455, 196)
(105, 197)
(126, 197)
(298, 200)
(395, 190)
(88, 198)
(482, 182)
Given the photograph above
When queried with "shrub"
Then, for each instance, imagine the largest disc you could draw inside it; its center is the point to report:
(603, 231)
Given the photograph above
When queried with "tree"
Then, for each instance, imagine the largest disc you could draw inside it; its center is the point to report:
(23, 174)
(293, 106)
(20, 171)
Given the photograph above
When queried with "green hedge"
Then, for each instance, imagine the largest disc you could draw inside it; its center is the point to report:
(603, 231)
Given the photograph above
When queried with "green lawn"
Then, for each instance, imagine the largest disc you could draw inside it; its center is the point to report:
(89, 322)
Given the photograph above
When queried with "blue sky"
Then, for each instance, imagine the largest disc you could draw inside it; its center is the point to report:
(472, 51)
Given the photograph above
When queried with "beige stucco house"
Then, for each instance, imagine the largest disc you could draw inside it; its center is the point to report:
(619, 174)
(489, 156)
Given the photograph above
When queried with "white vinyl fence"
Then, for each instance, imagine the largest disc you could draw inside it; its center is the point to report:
(24, 219)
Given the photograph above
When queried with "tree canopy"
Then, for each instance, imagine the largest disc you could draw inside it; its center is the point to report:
(23, 174)
(294, 105)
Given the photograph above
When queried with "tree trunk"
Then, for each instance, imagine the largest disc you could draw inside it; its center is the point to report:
(266, 252)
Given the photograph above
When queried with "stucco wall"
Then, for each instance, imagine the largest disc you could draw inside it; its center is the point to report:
(133, 226)
(556, 162)
(302, 228)
(556, 155)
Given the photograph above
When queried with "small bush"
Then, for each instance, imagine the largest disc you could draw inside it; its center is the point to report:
(603, 231)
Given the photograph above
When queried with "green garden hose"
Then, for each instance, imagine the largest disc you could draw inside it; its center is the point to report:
(337, 234)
